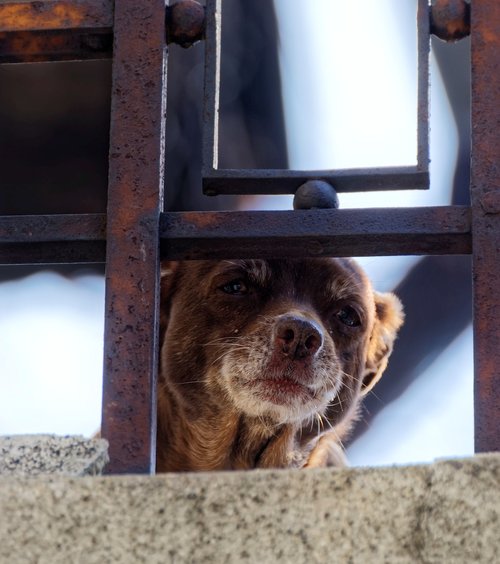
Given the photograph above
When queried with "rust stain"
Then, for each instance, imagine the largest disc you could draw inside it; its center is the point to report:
(490, 36)
(201, 220)
(30, 16)
(53, 45)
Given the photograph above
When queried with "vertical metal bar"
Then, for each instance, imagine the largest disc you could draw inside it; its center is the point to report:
(485, 194)
(423, 48)
(135, 198)
(212, 81)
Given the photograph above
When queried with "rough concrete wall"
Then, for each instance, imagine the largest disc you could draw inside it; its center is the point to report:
(445, 512)
(34, 455)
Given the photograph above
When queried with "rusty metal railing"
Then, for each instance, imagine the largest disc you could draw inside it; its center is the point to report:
(256, 181)
(134, 233)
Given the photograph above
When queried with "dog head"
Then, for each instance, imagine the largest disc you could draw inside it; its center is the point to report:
(281, 341)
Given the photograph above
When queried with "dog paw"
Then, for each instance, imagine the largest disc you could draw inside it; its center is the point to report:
(326, 452)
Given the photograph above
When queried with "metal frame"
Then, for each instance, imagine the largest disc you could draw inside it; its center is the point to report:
(485, 196)
(134, 234)
(254, 181)
(55, 30)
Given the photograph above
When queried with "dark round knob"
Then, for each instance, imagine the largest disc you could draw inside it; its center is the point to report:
(185, 22)
(315, 194)
(450, 19)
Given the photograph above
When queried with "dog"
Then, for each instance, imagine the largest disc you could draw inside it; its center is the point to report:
(264, 363)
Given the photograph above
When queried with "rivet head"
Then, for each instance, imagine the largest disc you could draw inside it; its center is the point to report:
(490, 202)
(315, 194)
(185, 23)
(450, 19)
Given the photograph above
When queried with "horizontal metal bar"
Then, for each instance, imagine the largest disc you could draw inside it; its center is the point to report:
(350, 232)
(61, 252)
(47, 228)
(37, 15)
(52, 239)
(272, 181)
(55, 30)
(218, 235)
(44, 46)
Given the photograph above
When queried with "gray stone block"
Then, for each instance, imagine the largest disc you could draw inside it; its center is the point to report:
(462, 512)
(445, 512)
(33, 455)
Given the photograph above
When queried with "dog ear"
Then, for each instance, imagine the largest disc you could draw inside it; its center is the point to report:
(389, 317)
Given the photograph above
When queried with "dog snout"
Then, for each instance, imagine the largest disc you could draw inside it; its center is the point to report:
(297, 337)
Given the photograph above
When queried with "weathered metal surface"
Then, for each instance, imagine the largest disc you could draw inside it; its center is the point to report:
(239, 181)
(423, 48)
(450, 19)
(485, 189)
(315, 194)
(136, 177)
(42, 46)
(185, 22)
(132, 265)
(52, 228)
(211, 91)
(277, 181)
(60, 252)
(52, 239)
(38, 15)
(55, 30)
(228, 235)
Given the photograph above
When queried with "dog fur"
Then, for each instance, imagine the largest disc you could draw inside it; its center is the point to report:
(264, 363)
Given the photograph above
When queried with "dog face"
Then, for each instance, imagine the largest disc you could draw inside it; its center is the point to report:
(276, 341)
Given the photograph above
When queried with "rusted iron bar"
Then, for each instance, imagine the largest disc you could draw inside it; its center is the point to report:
(271, 181)
(240, 181)
(50, 46)
(62, 238)
(227, 235)
(62, 30)
(55, 30)
(52, 228)
(61, 252)
(52, 239)
(135, 198)
(211, 92)
(37, 15)
(485, 195)
(423, 49)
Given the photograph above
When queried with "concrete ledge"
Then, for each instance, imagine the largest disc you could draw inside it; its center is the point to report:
(445, 512)
(34, 455)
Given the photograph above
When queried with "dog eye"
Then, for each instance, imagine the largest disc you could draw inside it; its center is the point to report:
(235, 288)
(348, 316)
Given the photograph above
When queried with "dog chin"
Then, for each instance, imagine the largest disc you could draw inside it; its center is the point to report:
(278, 399)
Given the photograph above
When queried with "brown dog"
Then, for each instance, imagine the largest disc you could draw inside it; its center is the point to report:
(264, 362)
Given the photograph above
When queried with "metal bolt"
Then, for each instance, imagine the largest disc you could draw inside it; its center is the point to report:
(450, 19)
(315, 194)
(490, 202)
(185, 23)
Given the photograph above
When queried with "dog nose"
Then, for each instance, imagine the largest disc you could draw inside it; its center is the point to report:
(297, 337)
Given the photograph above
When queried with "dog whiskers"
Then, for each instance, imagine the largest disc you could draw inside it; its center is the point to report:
(231, 351)
(230, 340)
